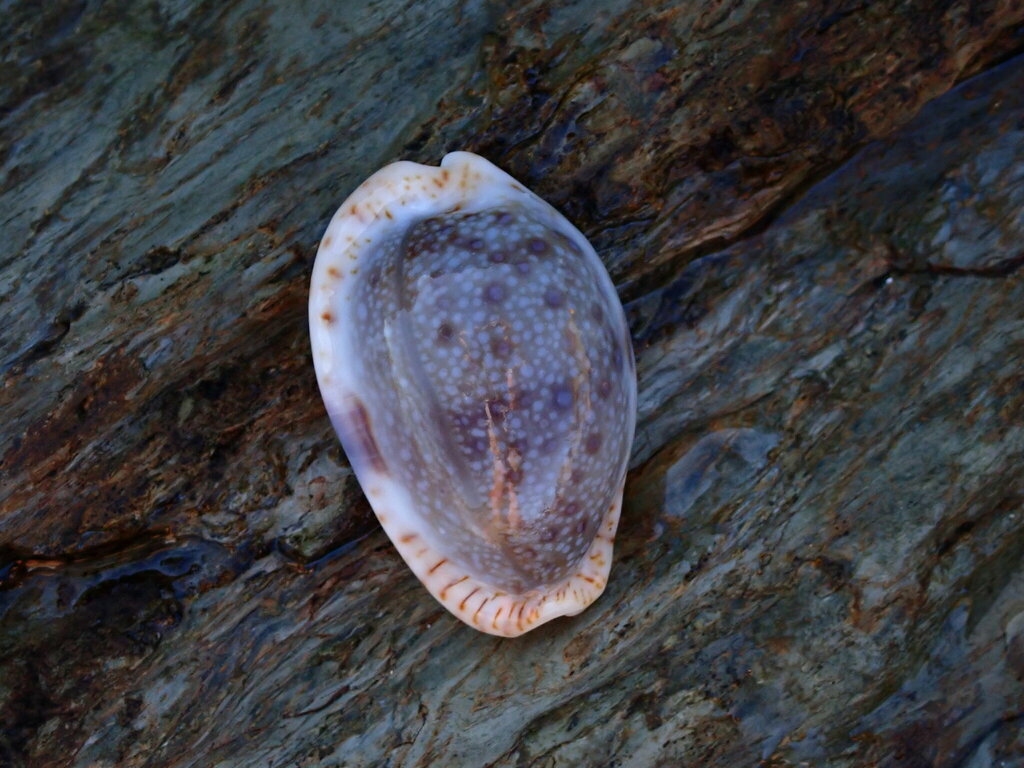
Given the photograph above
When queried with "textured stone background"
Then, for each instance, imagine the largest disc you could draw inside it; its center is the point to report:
(814, 212)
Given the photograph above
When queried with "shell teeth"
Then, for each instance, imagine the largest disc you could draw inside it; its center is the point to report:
(472, 355)
(500, 613)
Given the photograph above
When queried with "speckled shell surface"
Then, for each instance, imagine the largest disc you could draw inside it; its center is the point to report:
(475, 361)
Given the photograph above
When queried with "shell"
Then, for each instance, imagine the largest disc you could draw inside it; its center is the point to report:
(475, 361)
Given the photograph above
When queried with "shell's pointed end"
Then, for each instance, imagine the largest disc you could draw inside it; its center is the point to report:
(499, 613)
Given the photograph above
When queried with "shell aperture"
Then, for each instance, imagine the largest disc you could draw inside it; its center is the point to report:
(475, 361)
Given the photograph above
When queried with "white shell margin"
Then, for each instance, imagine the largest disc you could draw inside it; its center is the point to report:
(394, 197)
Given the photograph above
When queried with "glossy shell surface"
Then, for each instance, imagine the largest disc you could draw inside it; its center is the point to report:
(475, 361)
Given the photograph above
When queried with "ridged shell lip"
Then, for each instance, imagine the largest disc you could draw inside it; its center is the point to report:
(392, 198)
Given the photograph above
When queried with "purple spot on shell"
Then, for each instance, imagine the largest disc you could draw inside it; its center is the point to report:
(445, 332)
(554, 298)
(501, 347)
(562, 397)
(537, 245)
(569, 242)
(593, 443)
(497, 407)
(596, 312)
(570, 509)
(497, 257)
(503, 217)
(514, 476)
(523, 267)
(474, 446)
(545, 445)
(494, 292)
(604, 388)
(357, 434)
(475, 244)
(524, 398)
(616, 357)
(550, 533)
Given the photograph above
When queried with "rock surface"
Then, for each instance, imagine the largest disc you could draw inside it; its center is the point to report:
(815, 215)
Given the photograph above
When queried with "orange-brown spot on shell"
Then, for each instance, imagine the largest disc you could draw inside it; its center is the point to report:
(326, 242)
(439, 184)
(334, 272)
(354, 210)
(388, 214)
(462, 605)
(445, 174)
(494, 622)
(438, 564)
(444, 592)
(409, 537)
(327, 317)
(480, 608)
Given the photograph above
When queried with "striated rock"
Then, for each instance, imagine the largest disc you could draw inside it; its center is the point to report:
(815, 215)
